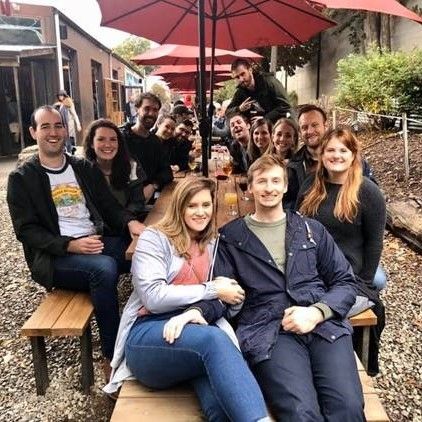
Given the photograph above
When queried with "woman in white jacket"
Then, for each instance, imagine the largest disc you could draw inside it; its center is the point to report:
(163, 338)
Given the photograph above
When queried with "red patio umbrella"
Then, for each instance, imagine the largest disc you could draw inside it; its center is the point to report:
(172, 54)
(390, 7)
(168, 69)
(188, 81)
(232, 25)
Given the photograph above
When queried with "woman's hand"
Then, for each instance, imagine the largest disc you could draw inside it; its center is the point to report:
(174, 326)
(229, 291)
(135, 228)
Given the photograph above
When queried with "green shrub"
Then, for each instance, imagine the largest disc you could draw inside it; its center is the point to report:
(381, 82)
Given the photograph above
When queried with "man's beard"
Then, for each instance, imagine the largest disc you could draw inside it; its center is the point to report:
(148, 122)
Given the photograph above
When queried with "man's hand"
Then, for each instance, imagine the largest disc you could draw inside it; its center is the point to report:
(174, 326)
(135, 228)
(229, 291)
(149, 191)
(301, 319)
(175, 168)
(255, 119)
(246, 105)
(90, 245)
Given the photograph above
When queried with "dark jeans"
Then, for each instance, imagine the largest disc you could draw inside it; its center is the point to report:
(204, 355)
(98, 275)
(310, 379)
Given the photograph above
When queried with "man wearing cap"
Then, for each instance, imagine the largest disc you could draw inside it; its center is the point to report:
(257, 94)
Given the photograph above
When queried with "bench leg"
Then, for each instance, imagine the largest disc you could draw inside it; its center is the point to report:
(87, 367)
(39, 357)
(365, 347)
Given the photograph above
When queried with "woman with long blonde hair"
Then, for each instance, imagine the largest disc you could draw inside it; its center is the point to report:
(284, 139)
(166, 335)
(352, 208)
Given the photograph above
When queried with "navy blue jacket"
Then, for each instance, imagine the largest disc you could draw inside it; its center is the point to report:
(316, 271)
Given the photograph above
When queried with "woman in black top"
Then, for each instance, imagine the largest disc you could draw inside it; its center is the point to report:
(353, 210)
(103, 144)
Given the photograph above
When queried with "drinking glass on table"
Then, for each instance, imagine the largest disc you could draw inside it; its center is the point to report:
(227, 166)
(192, 163)
(243, 185)
(230, 199)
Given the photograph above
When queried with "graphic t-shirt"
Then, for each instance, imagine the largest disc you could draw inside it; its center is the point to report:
(74, 216)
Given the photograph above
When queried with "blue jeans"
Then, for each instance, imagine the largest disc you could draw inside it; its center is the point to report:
(203, 355)
(98, 275)
(309, 378)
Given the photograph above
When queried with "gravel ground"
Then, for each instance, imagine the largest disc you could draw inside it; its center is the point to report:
(399, 384)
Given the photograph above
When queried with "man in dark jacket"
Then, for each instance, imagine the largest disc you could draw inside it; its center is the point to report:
(69, 223)
(299, 287)
(257, 94)
(239, 130)
(146, 147)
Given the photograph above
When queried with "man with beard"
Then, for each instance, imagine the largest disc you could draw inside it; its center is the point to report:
(257, 94)
(239, 130)
(145, 146)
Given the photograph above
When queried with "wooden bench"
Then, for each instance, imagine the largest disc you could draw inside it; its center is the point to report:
(61, 313)
(137, 403)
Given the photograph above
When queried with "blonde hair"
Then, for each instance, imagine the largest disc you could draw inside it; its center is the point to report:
(173, 223)
(271, 147)
(347, 202)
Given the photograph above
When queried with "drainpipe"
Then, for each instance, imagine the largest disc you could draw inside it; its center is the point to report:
(58, 49)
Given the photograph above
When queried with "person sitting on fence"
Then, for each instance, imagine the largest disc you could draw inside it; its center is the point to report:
(313, 125)
(145, 147)
(257, 94)
(163, 337)
(352, 208)
(299, 287)
(104, 145)
(69, 223)
(239, 130)
(285, 139)
(260, 139)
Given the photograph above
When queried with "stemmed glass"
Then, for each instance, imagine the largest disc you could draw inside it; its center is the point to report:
(230, 199)
(192, 163)
(243, 185)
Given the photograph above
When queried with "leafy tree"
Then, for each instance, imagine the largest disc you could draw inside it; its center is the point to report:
(162, 93)
(131, 47)
(381, 82)
(226, 92)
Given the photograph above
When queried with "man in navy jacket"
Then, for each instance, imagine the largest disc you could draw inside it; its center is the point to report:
(298, 288)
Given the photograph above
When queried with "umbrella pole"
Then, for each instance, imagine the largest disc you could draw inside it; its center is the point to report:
(211, 106)
(203, 123)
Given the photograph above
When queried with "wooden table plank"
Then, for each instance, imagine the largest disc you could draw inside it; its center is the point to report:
(178, 409)
(47, 313)
(364, 319)
(75, 318)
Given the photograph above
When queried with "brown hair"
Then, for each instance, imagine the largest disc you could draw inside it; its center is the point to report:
(293, 125)
(266, 162)
(347, 202)
(173, 224)
(253, 151)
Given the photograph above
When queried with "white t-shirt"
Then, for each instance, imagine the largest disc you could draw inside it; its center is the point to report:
(74, 216)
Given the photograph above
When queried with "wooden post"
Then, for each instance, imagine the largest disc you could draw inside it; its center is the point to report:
(334, 118)
(406, 146)
(39, 358)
